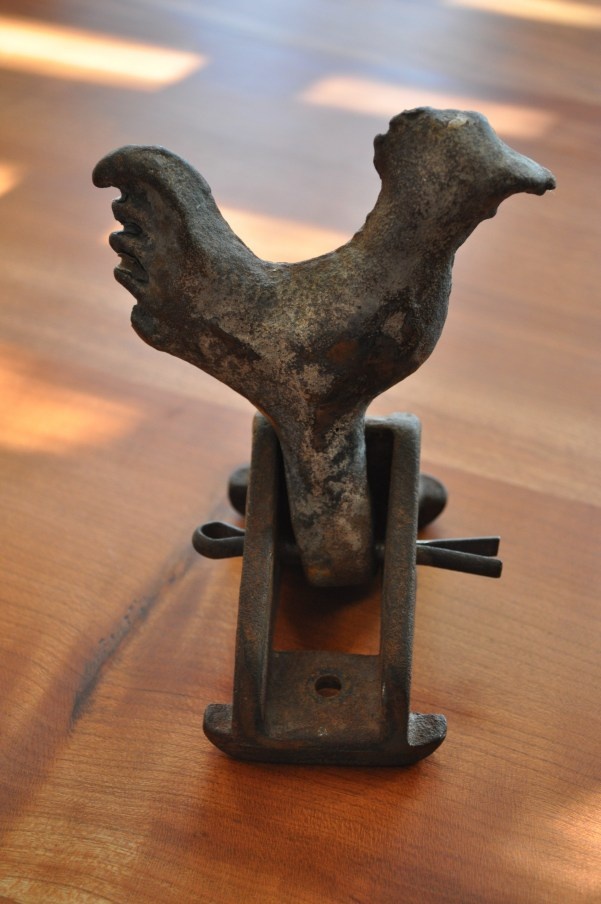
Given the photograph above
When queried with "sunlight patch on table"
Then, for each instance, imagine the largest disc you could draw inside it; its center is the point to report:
(385, 99)
(40, 416)
(60, 52)
(10, 176)
(559, 12)
(571, 829)
(279, 238)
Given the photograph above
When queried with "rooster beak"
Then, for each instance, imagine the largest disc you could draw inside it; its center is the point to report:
(539, 183)
(530, 177)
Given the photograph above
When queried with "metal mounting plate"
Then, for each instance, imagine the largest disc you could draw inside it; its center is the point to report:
(318, 706)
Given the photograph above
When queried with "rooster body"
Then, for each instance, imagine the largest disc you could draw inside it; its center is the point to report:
(312, 343)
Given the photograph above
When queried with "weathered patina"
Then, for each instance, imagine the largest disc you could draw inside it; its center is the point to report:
(311, 344)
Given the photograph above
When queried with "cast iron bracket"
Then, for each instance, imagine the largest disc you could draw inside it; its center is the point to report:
(323, 706)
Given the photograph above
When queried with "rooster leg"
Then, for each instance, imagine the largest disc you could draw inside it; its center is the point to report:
(330, 504)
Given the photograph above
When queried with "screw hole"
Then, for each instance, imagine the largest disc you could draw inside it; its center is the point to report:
(328, 686)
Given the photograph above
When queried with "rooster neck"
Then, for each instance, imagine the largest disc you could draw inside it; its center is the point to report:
(408, 225)
(399, 250)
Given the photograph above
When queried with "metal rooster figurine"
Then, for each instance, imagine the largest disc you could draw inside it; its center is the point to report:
(311, 344)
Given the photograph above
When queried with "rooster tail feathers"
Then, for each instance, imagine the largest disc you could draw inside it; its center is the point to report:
(154, 167)
(161, 186)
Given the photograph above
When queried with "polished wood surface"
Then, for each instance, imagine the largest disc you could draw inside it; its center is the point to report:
(114, 634)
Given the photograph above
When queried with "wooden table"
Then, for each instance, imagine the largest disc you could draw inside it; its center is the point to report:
(115, 635)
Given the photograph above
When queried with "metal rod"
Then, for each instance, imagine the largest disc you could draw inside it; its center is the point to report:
(471, 555)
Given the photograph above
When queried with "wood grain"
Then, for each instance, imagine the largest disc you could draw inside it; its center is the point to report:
(114, 635)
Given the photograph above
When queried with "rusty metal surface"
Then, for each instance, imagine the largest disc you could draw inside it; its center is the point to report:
(324, 706)
(432, 493)
(311, 344)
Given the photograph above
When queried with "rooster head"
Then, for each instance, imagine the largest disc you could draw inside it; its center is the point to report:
(450, 167)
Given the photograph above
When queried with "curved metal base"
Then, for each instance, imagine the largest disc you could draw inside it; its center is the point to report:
(424, 734)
